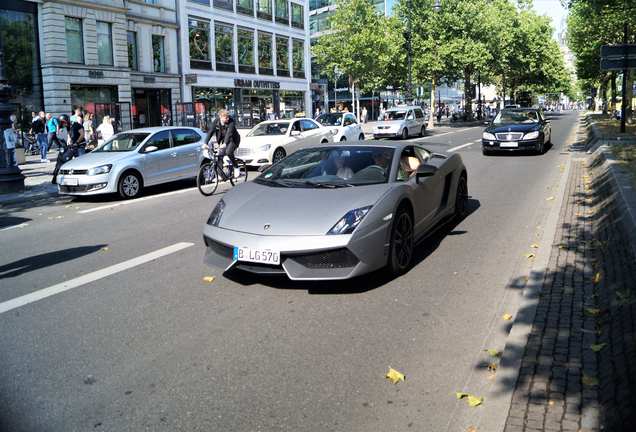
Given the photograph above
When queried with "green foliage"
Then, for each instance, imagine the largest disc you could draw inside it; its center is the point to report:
(18, 46)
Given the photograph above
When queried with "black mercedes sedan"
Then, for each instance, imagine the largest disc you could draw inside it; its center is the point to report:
(517, 129)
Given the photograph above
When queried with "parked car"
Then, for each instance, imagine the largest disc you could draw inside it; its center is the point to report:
(345, 125)
(517, 129)
(132, 160)
(401, 122)
(336, 211)
(270, 141)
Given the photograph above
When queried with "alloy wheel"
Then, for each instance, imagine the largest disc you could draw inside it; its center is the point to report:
(403, 241)
(279, 154)
(130, 185)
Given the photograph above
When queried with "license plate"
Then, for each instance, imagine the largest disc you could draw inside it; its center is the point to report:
(70, 182)
(509, 144)
(256, 255)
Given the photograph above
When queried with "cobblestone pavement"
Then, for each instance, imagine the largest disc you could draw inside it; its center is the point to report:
(579, 366)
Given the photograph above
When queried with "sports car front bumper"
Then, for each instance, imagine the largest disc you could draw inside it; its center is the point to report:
(322, 257)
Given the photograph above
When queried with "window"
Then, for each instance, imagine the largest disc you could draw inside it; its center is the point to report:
(308, 125)
(298, 58)
(245, 7)
(74, 40)
(199, 39)
(317, 4)
(298, 17)
(104, 43)
(184, 136)
(158, 54)
(132, 51)
(282, 56)
(409, 162)
(282, 12)
(265, 53)
(264, 9)
(161, 140)
(224, 36)
(224, 4)
(320, 22)
(419, 114)
(203, 2)
(246, 50)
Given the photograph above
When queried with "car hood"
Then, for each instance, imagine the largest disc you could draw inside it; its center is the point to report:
(292, 211)
(90, 160)
(258, 141)
(513, 127)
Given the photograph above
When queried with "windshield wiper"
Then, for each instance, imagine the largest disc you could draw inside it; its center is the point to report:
(327, 185)
(269, 182)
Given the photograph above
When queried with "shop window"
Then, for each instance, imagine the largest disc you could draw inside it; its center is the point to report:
(245, 7)
(199, 41)
(74, 40)
(265, 54)
(264, 9)
(104, 43)
(298, 58)
(282, 56)
(292, 103)
(158, 53)
(282, 11)
(298, 17)
(202, 2)
(133, 62)
(224, 37)
(246, 50)
(224, 4)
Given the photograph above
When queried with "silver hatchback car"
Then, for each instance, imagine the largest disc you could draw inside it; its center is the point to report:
(401, 122)
(131, 160)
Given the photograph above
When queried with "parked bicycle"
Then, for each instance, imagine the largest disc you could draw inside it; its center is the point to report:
(216, 169)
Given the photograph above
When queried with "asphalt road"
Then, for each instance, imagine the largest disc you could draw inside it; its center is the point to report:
(147, 345)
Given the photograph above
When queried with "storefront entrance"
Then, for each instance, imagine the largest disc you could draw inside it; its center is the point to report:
(151, 107)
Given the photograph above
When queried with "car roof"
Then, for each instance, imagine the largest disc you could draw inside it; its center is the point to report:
(160, 128)
(404, 108)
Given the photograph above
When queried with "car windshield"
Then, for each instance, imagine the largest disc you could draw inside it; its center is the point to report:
(123, 142)
(330, 119)
(395, 115)
(330, 167)
(277, 128)
(507, 117)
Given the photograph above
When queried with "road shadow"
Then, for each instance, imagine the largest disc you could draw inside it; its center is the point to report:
(9, 221)
(147, 192)
(425, 247)
(37, 262)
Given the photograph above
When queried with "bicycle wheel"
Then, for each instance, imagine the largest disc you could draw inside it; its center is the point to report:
(207, 179)
(242, 173)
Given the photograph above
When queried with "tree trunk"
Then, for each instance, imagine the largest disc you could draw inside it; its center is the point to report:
(501, 104)
(630, 96)
(613, 92)
(604, 94)
(353, 98)
(431, 116)
(468, 98)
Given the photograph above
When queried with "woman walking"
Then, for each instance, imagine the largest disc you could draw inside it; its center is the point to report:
(105, 130)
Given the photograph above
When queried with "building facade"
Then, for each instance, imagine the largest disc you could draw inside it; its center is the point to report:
(249, 57)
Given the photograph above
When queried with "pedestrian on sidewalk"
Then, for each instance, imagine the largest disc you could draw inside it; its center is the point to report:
(77, 135)
(52, 126)
(10, 141)
(77, 113)
(439, 115)
(365, 113)
(89, 132)
(39, 129)
(105, 130)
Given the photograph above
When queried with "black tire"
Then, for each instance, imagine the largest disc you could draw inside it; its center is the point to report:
(361, 137)
(130, 185)
(207, 179)
(461, 198)
(402, 243)
(422, 131)
(242, 178)
(279, 154)
(405, 133)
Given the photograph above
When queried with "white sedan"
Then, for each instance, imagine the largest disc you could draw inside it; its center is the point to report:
(344, 124)
(270, 141)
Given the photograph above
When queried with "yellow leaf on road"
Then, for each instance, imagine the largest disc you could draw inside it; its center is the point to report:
(589, 381)
(208, 279)
(461, 395)
(597, 277)
(597, 347)
(492, 352)
(550, 198)
(474, 401)
(529, 255)
(395, 376)
(105, 248)
(507, 317)
(534, 246)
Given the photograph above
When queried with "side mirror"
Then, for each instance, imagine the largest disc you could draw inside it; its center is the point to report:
(263, 168)
(294, 133)
(425, 170)
(151, 149)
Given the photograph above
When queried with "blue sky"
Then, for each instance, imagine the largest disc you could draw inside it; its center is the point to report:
(553, 9)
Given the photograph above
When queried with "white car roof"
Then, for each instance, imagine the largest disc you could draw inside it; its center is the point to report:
(160, 128)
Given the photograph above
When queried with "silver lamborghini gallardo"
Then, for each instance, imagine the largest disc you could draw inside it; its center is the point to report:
(336, 211)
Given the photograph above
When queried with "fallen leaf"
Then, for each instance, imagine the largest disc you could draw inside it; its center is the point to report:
(492, 367)
(208, 279)
(461, 395)
(597, 277)
(534, 246)
(550, 198)
(529, 255)
(471, 429)
(589, 381)
(593, 311)
(105, 248)
(507, 317)
(597, 347)
(474, 401)
(492, 352)
(395, 376)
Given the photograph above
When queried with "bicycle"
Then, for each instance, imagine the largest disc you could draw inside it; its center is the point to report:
(212, 172)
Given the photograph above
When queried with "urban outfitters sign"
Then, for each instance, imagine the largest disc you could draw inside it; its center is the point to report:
(246, 83)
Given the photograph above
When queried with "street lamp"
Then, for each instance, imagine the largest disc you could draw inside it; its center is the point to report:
(437, 6)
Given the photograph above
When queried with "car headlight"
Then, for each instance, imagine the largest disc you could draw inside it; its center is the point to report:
(350, 221)
(104, 169)
(265, 147)
(531, 135)
(215, 216)
(488, 136)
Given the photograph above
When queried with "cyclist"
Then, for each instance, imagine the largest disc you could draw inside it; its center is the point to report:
(223, 128)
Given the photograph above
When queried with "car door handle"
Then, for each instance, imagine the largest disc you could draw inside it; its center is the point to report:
(173, 154)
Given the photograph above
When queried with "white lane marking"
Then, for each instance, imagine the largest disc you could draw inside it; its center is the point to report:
(22, 225)
(370, 136)
(133, 201)
(452, 149)
(90, 277)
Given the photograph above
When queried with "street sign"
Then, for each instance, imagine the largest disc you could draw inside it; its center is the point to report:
(618, 51)
(611, 64)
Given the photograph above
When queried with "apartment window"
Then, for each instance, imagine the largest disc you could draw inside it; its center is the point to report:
(265, 9)
(133, 62)
(224, 37)
(246, 50)
(282, 11)
(158, 53)
(245, 7)
(298, 58)
(224, 4)
(74, 40)
(320, 22)
(298, 18)
(104, 43)
(282, 56)
(317, 4)
(265, 53)
(199, 40)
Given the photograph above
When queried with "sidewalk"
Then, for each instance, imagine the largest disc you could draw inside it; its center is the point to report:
(37, 182)
(578, 372)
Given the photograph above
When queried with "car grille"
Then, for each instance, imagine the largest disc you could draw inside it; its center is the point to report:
(243, 152)
(73, 172)
(81, 188)
(339, 258)
(509, 136)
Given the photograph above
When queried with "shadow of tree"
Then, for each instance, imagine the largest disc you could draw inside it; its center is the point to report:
(37, 262)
